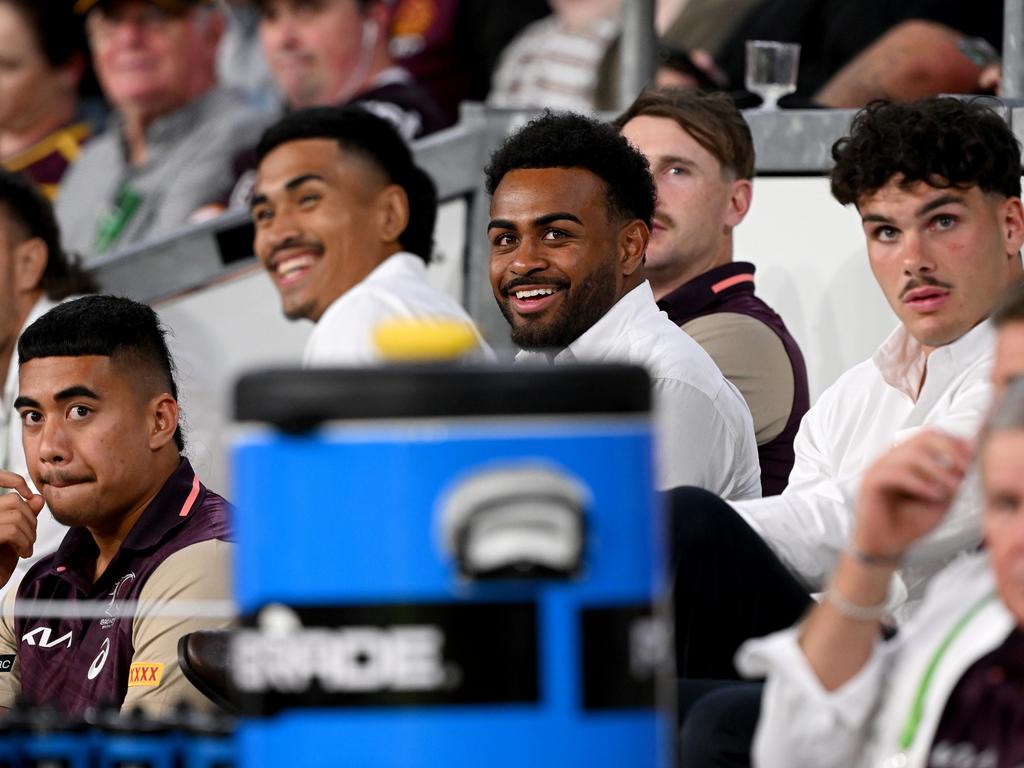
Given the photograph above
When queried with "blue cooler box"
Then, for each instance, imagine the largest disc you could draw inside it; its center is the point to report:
(450, 566)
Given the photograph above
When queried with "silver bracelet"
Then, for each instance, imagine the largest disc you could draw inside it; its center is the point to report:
(880, 561)
(853, 610)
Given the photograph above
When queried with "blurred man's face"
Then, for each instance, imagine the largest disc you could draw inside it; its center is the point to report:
(943, 257)
(1009, 360)
(559, 261)
(1003, 476)
(696, 202)
(150, 60)
(18, 282)
(315, 48)
(314, 208)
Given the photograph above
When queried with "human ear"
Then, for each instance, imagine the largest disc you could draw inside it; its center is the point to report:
(30, 257)
(1013, 225)
(740, 197)
(163, 411)
(392, 213)
(633, 239)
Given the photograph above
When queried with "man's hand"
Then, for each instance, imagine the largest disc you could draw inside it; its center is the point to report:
(908, 491)
(18, 513)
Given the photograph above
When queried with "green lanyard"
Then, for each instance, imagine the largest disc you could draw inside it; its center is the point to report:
(909, 732)
(109, 227)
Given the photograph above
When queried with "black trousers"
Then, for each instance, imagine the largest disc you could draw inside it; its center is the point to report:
(728, 585)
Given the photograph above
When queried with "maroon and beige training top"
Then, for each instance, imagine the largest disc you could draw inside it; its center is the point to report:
(177, 551)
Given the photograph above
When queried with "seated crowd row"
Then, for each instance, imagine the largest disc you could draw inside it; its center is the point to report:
(139, 116)
(605, 240)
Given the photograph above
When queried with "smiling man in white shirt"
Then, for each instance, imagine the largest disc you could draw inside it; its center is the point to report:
(345, 226)
(571, 209)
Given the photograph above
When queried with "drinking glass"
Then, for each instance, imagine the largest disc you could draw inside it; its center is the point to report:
(771, 70)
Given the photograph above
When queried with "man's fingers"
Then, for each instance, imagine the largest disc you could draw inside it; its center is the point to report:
(15, 482)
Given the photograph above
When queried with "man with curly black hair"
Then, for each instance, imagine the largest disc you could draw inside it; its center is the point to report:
(937, 185)
(571, 212)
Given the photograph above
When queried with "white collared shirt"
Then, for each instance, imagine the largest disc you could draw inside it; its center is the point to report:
(48, 531)
(870, 408)
(860, 724)
(396, 289)
(703, 429)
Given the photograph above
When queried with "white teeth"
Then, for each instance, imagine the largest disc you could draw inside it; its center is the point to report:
(534, 292)
(293, 264)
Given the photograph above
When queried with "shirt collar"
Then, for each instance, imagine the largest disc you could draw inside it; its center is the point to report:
(169, 128)
(168, 510)
(706, 290)
(593, 344)
(902, 362)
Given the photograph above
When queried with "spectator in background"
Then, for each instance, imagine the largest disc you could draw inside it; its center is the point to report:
(240, 61)
(344, 224)
(554, 62)
(451, 47)
(172, 146)
(702, 158)
(35, 274)
(852, 53)
(333, 52)
(43, 60)
(571, 206)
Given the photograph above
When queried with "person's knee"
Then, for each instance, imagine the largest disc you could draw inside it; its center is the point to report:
(698, 518)
(719, 728)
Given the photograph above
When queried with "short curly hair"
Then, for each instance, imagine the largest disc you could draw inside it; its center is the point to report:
(943, 142)
(569, 140)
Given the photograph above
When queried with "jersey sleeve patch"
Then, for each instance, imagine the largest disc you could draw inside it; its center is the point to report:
(142, 673)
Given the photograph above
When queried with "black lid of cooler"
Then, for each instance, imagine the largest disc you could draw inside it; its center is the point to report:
(299, 399)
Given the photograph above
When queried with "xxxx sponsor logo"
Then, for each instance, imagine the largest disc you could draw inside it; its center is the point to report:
(141, 673)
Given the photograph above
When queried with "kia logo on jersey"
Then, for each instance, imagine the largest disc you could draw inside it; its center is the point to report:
(43, 635)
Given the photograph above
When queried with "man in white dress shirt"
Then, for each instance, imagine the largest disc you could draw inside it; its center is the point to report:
(937, 184)
(35, 274)
(571, 211)
(344, 225)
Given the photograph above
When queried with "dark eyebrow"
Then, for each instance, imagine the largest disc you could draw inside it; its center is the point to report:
(931, 205)
(876, 217)
(76, 391)
(551, 218)
(500, 224)
(24, 402)
(260, 198)
(938, 202)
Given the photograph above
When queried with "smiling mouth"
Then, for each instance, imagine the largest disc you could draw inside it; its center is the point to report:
(288, 269)
(529, 299)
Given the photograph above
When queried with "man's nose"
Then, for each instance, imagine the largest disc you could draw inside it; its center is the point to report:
(529, 257)
(916, 254)
(53, 443)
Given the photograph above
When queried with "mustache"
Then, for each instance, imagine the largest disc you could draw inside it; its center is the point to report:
(922, 282)
(295, 243)
(518, 282)
(58, 477)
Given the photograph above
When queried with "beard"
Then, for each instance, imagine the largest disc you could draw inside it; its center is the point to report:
(576, 313)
